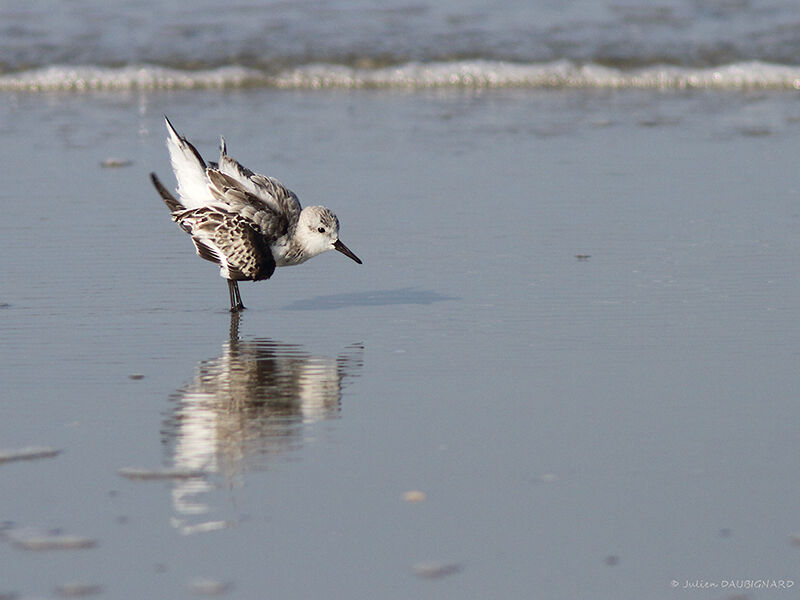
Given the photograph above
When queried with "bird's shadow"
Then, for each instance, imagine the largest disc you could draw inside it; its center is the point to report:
(374, 298)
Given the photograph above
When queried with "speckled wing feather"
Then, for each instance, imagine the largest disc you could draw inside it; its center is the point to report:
(229, 240)
(264, 218)
(268, 190)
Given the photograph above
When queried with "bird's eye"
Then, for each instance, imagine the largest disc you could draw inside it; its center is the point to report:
(321, 229)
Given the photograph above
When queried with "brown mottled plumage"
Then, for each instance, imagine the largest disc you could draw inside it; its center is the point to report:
(246, 223)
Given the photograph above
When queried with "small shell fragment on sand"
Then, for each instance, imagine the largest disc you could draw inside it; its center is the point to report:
(206, 527)
(78, 589)
(141, 474)
(414, 496)
(209, 587)
(29, 453)
(115, 163)
(435, 570)
(28, 538)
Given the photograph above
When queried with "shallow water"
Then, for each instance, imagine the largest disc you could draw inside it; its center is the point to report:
(580, 427)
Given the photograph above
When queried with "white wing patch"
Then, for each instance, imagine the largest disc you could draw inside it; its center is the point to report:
(190, 171)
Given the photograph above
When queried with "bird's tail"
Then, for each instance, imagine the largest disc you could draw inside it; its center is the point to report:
(171, 201)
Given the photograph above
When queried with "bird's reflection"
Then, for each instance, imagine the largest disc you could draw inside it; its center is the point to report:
(245, 408)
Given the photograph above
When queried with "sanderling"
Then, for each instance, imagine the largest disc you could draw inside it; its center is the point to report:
(246, 223)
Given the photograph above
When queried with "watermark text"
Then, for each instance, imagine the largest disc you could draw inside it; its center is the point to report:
(733, 584)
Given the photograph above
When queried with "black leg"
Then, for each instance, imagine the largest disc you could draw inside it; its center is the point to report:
(239, 304)
(230, 293)
(236, 298)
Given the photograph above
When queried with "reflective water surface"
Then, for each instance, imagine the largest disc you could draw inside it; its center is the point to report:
(247, 408)
(473, 412)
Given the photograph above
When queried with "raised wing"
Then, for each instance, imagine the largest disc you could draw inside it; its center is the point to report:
(268, 190)
(263, 217)
(190, 170)
(200, 185)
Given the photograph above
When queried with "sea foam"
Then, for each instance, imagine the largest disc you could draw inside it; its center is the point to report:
(132, 77)
(477, 74)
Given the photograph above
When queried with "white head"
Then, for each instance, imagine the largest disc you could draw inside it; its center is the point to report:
(318, 231)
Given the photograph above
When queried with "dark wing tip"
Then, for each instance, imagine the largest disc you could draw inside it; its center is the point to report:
(182, 142)
(171, 201)
(169, 124)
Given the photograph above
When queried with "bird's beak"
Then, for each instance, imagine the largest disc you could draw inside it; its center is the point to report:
(338, 245)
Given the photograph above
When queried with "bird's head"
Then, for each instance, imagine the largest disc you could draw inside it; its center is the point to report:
(318, 230)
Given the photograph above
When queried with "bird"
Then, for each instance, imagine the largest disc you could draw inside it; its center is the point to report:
(245, 222)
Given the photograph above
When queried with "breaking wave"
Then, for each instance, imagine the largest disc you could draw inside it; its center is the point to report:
(466, 74)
